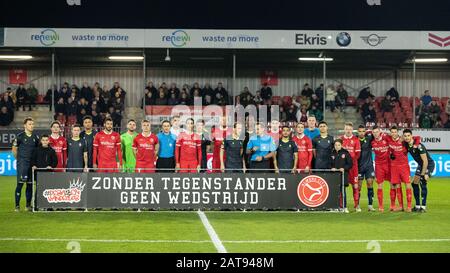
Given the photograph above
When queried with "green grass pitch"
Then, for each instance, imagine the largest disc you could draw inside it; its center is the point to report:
(238, 231)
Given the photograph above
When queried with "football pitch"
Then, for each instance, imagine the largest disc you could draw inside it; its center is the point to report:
(227, 231)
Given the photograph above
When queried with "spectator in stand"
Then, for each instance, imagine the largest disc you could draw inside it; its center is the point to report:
(245, 96)
(117, 103)
(316, 112)
(115, 116)
(341, 97)
(74, 88)
(22, 97)
(184, 98)
(165, 89)
(447, 107)
(208, 92)
(11, 94)
(71, 107)
(331, 97)
(195, 88)
(86, 92)
(152, 88)
(266, 93)
(7, 101)
(283, 114)
(393, 93)
(306, 101)
(82, 110)
(426, 98)
(302, 114)
(421, 109)
(320, 94)
(32, 95)
(220, 95)
(161, 99)
(148, 98)
(63, 93)
(258, 100)
(106, 95)
(425, 120)
(434, 110)
(116, 88)
(307, 91)
(101, 105)
(387, 104)
(173, 89)
(60, 108)
(315, 101)
(95, 114)
(369, 114)
(6, 116)
(363, 95)
(208, 100)
(291, 114)
(173, 99)
(51, 92)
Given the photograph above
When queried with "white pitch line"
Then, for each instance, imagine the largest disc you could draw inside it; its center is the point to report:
(212, 233)
(226, 241)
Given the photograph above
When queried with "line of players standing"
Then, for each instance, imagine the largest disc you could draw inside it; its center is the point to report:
(279, 150)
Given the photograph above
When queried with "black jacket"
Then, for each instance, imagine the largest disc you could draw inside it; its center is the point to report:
(342, 159)
(43, 157)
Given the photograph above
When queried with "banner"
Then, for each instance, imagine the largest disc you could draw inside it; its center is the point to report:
(229, 39)
(17, 76)
(319, 191)
(434, 140)
(8, 164)
(7, 136)
(269, 77)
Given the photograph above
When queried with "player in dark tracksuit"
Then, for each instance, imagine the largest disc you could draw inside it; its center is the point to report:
(365, 163)
(424, 170)
(286, 156)
(23, 146)
(322, 148)
(342, 161)
(88, 136)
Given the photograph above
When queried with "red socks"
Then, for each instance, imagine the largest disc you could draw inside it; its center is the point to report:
(392, 193)
(356, 196)
(380, 198)
(409, 197)
(400, 196)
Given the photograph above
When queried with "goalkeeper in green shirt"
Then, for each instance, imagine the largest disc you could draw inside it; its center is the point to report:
(126, 139)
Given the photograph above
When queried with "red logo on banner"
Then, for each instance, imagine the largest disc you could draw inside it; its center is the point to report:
(270, 77)
(313, 191)
(17, 76)
(439, 41)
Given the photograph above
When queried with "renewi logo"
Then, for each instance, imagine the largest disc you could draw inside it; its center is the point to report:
(178, 38)
(47, 37)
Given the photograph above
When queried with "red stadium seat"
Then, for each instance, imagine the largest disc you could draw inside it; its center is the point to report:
(61, 119)
(275, 99)
(71, 120)
(287, 100)
(444, 117)
(411, 99)
(351, 101)
(40, 99)
(436, 99)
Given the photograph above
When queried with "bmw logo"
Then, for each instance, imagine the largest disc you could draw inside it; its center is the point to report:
(343, 39)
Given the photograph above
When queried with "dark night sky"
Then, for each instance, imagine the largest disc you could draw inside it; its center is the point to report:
(231, 14)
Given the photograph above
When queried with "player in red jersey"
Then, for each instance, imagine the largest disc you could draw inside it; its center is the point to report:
(304, 146)
(380, 147)
(351, 143)
(188, 150)
(399, 169)
(107, 149)
(59, 144)
(145, 149)
(218, 134)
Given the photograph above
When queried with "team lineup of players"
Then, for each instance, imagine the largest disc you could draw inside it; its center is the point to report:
(184, 148)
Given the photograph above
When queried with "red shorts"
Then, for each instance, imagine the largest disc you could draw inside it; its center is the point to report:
(301, 165)
(382, 173)
(400, 174)
(188, 166)
(353, 174)
(145, 168)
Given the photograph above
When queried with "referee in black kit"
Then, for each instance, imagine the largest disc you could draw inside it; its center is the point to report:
(232, 149)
